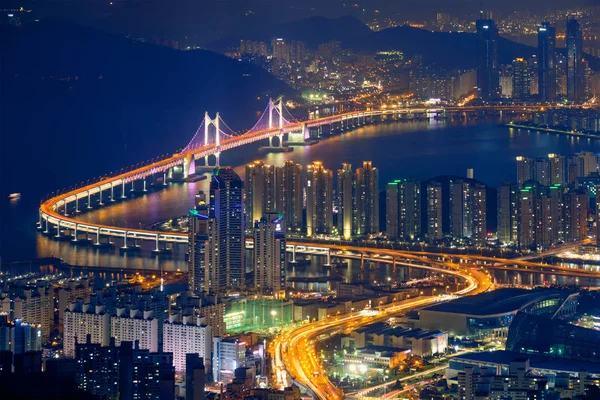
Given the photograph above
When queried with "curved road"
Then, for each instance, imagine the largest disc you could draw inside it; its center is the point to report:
(293, 352)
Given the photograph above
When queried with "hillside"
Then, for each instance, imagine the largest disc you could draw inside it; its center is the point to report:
(85, 102)
(312, 31)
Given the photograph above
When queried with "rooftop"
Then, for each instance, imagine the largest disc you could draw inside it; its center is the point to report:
(499, 301)
(535, 361)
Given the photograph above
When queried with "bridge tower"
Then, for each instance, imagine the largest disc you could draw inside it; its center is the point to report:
(276, 106)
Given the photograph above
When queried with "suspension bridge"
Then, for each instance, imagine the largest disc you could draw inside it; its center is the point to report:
(212, 137)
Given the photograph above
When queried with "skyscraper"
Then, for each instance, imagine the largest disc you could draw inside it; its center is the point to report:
(576, 211)
(226, 204)
(367, 199)
(575, 70)
(478, 213)
(319, 199)
(434, 210)
(404, 209)
(526, 237)
(461, 220)
(521, 79)
(488, 68)
(346, 196)
(290, 195)
(524, 170)
(546, 62)
(269, 254)
(281, 49)
(507, 213)
(557, 169)
(203, 249)
(260, 191)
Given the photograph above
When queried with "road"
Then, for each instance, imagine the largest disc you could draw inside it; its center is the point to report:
(294, 353)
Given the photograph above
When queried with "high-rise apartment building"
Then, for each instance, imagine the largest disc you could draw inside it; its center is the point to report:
(203, 249)
(346, 198)
(546, 62)
(83, 320)
(434, 210)
(488, 68)
(575, 65)
(226, 204)
(319, 199)
(269, 254)
(367, 199)
(281, 49)
(461, 219)
(261, 191)
(521, 79)
(131, 325)
(507, 213)
(290, 195)
(576, 213)
(190, 336)
(557, 169)
(18, 336)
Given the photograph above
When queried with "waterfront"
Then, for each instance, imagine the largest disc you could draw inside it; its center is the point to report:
(400, 150)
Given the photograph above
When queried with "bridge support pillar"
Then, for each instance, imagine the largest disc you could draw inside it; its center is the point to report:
(77, 204)
(125, 240)
(132, 186)
(320, 130)
(100, 194)
(164, 179)
(75, 233)
(145, 190)
(123, 191)
(112, 192)
(280, 136)
(218, 155)
(362, 260)
(270, 141)
(170, 176)
(294, 253)
(328, 257)
(57, 229)
(156, 248)
(187, 165)
(97, 237)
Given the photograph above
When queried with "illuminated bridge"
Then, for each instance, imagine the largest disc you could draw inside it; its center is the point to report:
(213, 137)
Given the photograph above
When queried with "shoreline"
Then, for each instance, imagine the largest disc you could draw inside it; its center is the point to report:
(552, 130)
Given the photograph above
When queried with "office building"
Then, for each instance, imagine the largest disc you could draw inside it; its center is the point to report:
(434, 210)
(546, 62)
(290, 196)
(134, 325)
(488, 67)
(195, 377)
(190, 336)
(83, 320)
(269, 254)
(575, 66)
(228, 355)
(521, 79)
(319, 199)
(226, 204)
(346, 197)
(367, 199)
(507, 213)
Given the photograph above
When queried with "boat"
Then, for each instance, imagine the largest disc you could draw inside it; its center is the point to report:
(14, 196)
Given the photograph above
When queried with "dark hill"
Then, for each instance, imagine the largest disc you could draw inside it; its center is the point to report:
(312, 31)
(79, 100)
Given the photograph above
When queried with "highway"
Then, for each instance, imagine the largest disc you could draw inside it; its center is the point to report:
(294, 353)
